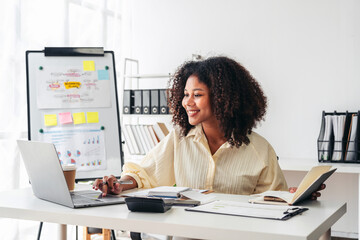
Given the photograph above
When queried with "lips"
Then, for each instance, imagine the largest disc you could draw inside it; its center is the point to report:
(192, 113)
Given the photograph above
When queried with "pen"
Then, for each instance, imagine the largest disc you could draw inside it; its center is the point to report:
(119, 181)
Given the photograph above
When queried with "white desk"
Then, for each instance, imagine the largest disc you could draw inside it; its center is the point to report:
(22, 204)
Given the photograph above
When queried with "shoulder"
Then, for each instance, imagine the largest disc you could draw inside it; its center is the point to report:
(173, 136)
(261, 146)
(258, 141)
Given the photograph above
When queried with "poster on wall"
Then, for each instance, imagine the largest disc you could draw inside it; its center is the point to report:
(83, 147)
(73, 87)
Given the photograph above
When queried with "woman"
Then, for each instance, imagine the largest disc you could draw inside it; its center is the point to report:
(215, 104)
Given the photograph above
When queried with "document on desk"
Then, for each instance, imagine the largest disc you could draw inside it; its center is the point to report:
(183, 196)
(162, 191)
(249, 210)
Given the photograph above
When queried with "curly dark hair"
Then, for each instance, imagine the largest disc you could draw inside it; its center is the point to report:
(237, 99)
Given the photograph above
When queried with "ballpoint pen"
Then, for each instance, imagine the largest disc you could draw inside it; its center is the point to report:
(118, 181)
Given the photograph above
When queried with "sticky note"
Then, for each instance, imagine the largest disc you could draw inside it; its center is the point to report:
(92, 117)
(103, 75)
(65, 118)
(69, 85)
(50, 119)
(79, 118)
(89, 65)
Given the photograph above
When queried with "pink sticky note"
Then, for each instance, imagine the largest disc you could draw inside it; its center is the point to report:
(65, 118)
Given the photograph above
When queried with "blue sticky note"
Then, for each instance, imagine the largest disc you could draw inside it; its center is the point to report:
(103, 75)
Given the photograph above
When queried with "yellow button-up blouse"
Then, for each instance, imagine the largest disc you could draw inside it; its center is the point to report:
(187, 161)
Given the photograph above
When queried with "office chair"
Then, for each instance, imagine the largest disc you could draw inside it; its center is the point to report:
(135, 236)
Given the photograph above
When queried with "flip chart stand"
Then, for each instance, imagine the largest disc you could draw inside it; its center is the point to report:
(72, 96)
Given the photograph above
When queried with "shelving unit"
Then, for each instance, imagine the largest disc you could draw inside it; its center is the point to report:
(132, 81)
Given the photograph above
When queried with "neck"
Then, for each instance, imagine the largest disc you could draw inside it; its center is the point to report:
(214, 136)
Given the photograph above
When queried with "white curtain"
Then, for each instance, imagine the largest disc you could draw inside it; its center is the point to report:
(33, 25)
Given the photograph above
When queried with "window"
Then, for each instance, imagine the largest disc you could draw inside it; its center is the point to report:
(33, 25)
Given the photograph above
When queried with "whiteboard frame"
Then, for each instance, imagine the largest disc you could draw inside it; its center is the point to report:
(112, 131)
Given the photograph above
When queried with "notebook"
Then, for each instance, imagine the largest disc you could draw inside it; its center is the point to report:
(48, 182)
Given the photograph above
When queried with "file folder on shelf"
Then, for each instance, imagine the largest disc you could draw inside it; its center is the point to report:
(155, 101)
(145, 101)
(164, 109)
(339, 137)
(128, 101)
(137, 101)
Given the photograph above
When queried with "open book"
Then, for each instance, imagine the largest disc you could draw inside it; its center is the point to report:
(311, 182)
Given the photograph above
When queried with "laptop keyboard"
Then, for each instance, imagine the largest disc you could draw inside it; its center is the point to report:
(92, 198)
(78, 199)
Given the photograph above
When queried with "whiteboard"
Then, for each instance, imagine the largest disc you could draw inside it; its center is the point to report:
(72, 102)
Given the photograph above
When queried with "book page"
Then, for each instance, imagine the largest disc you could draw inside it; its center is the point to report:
(310, 178)
(285, 195)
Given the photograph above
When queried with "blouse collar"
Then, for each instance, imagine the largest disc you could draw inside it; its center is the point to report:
(198, 134)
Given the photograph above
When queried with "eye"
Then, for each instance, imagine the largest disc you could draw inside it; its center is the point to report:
(197, 95)
(186, 94)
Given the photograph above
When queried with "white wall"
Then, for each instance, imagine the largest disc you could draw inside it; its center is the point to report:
(305, 53)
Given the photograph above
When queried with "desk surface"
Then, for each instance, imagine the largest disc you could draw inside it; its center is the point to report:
(22, 204)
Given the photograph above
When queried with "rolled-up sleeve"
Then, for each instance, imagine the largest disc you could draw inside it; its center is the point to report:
(157, 167)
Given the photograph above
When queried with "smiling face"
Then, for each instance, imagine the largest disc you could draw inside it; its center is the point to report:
(197, 102)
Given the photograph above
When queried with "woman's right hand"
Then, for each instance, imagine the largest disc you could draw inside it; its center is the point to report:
(108, 185)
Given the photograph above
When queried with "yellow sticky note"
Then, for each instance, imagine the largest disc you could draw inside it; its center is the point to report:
(89, 65)
(79, 118)
(50, 119)
(92, 117)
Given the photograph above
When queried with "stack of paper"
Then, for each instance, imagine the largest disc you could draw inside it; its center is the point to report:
(325, 138)
(338, 127)
(171, 192)
(164, 191)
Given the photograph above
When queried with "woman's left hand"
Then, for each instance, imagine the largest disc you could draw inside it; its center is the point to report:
(314, 195)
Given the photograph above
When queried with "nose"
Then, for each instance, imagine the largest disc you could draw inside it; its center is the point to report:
(189, 101)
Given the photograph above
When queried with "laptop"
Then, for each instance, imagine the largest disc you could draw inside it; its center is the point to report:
(48, 181)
